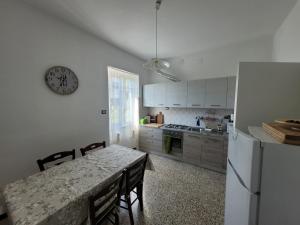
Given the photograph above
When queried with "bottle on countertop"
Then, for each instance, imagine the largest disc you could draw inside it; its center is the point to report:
(198, 118)
(200, 122)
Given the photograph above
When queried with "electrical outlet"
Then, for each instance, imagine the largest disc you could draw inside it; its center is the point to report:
(102, 113)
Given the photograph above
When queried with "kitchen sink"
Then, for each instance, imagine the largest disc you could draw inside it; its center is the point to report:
(196, 129)
(204, 130)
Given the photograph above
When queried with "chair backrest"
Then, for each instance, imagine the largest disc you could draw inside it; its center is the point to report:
(92, 147)
(135, 174)
(54, 157)
(104, 202)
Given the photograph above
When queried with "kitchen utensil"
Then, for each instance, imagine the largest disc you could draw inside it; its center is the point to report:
(160, 118)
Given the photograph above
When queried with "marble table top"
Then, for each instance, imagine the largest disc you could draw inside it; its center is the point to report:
(59, 195)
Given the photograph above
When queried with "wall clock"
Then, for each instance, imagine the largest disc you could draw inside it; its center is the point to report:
(61, 80)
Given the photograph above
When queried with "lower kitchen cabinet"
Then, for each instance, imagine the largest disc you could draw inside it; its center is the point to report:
(192, 148)
(197, 149)
(150, 139)
(205, 151)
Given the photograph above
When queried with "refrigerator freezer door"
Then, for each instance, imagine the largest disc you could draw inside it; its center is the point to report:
(240, 204)
(280, 186)
(245, 154)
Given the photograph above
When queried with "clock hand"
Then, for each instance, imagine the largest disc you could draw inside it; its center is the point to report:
(61, 81)
(66, 80)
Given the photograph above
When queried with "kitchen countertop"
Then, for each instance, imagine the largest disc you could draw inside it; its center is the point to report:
(205, 133)
(152, 125)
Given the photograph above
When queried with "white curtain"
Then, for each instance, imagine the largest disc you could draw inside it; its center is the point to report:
(123, 107)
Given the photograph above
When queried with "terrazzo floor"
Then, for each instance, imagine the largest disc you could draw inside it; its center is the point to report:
(176, 193)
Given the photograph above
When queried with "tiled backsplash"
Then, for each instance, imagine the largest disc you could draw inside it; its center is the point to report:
(187, 116)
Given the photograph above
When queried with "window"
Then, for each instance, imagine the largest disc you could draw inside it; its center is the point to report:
(123, 88)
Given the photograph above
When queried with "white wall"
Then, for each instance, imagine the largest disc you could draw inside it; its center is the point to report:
(221, 61)
(287, 38)
(35, 121)
(265, 92)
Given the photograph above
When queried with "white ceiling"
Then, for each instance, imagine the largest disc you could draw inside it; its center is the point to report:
(185, 26)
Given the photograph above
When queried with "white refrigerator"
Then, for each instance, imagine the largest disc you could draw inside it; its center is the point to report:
(263, 180)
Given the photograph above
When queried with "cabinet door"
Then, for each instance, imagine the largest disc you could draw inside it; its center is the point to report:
(150, 139)
(148, 95)
(176, 94)
(216, 93)
(159, 95)
(213, 154)
(231, 92)
(196, 94)
(192, 148)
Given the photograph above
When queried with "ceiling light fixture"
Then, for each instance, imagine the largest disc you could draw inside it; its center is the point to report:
(156, 65)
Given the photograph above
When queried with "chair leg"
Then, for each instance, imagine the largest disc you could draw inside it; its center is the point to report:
(117, 222)
(128, 200)
(140, 195)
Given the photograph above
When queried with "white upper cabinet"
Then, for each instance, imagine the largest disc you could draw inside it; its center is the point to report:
(176, 94)
(216, 93)
(148, 94)
(159, 95)
(205, 93)
(154, 95)
(231, 92)
(196, 94)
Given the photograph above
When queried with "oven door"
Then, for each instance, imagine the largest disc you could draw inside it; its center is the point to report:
(172, 143)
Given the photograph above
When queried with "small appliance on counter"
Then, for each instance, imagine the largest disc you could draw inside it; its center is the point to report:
(152, 119)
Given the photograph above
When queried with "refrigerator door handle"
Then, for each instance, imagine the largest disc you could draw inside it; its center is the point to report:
(240, 179)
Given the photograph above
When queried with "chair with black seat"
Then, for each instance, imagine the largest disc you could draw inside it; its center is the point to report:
(92, 147)
(55, 157)
(105, 204)
(134, 178)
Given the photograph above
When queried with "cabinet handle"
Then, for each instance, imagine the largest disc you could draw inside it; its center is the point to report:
(213, 140)
(194, 136)
(176, 104)
(196, 105)
(215, 105)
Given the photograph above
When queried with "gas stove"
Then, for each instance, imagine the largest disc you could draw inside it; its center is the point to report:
(175, 126)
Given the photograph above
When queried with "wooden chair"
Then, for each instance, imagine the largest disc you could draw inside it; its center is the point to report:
(105, 204)
(92, 147)
(134, 177)
(54, 157)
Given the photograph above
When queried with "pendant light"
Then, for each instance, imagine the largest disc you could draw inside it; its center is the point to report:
(156, 65)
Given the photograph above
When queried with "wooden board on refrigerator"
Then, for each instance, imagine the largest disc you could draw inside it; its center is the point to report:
(289, 122)
(284, 134)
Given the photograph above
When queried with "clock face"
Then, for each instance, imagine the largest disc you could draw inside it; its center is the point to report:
(61, 80)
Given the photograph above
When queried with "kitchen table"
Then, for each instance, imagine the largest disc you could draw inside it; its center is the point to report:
(59, 195)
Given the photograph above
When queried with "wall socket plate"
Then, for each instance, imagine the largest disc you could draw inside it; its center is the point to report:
(102, 113)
